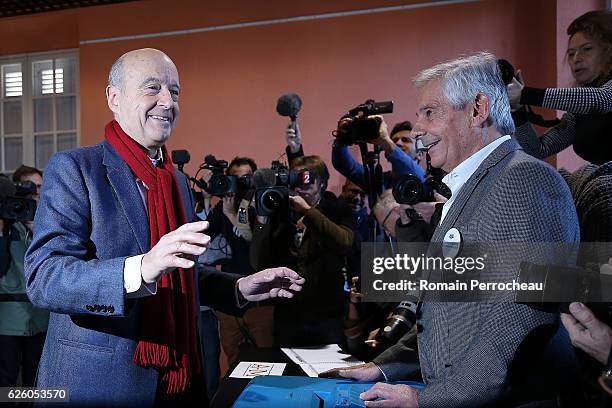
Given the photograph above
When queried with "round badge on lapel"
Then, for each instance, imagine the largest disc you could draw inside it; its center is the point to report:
(451, 245)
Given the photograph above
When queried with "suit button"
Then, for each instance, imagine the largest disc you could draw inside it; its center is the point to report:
(90, 308)
(96, 308)
(111, 309)
(104, 309)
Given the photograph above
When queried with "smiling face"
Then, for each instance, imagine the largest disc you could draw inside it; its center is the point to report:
(586, 58)
(445, 130)
(146, 103)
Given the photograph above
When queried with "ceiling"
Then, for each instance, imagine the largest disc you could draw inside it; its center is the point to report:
(10, 8)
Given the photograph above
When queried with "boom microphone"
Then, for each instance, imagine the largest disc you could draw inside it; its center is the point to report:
(289, 105)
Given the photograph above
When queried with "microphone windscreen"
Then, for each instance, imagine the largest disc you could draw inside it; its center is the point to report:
(263, 178)
(289, 105)
(7, 188)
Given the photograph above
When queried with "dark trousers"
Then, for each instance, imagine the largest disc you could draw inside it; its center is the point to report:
(20, 351)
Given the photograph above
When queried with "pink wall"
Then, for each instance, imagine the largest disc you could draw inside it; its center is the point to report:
(231, 78)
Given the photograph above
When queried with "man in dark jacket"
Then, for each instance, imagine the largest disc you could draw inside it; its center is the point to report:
(314, 246)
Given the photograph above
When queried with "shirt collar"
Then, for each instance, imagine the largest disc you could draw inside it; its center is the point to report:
(160, 158)
(460, 174)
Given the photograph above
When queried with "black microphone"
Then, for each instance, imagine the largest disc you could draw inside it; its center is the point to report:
(263, 178)
(289, 105)
(421, 147)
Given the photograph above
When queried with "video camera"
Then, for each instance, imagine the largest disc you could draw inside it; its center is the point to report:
(357, 126)
(273, 187)
(14, 206)
(221, 184)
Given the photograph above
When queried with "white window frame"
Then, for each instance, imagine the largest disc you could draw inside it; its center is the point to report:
(27, 98)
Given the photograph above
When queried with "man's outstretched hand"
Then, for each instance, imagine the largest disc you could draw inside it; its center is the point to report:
(270, 283)
(362, 372)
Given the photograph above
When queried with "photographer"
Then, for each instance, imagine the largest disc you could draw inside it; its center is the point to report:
(313, 242)
(22, 326)
(588, 120)
(230, 247)
(399, 151)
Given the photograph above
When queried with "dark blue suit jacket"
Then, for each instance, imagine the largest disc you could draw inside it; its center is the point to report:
(90, 218)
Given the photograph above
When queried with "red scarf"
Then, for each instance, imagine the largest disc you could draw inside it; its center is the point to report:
(167, 339)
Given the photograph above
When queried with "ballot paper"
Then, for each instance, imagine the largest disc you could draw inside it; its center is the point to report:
(315, 360)
(250, 369)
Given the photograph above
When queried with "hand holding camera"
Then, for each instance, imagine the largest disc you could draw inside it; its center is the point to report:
(298, 204)
(515, 89)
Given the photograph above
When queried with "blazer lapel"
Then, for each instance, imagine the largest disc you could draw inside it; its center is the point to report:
(466, 191)
(123, 182)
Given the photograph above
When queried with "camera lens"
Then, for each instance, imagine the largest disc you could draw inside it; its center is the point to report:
(408, 191)
(272, 200)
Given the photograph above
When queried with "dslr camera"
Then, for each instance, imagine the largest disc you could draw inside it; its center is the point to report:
(221, 184)
(563, 285)
(357, 126)
(273, 187)
(408, 189)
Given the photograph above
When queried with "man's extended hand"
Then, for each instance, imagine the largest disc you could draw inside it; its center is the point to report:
(393, 396)
(587, 332)
(270, 283)
(362, 372)
(169, 253)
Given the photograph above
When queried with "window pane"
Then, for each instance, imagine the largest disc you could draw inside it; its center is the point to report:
(66, 141)
(12, 117)
(42, 78)
(13, 146)
(12, 80)
(44, 150)
(65, 110)
(43, 121)
(65, 71)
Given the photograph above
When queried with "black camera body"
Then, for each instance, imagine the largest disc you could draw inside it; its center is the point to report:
(17, 209)
(274, 197)
(563, 285)
(14, 204)
(221, 184)
(361, 128)
(410, 190)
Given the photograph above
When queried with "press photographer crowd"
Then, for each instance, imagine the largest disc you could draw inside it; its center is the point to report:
(122, 277)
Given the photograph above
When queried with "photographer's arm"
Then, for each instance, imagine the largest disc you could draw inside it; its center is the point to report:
(337, 235)
(344, 163)
(581, 100)
(553, 141)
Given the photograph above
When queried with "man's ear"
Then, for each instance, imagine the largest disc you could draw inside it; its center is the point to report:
(481, 110)
(112, 98)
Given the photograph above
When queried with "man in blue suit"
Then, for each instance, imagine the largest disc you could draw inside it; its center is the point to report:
(112, 252)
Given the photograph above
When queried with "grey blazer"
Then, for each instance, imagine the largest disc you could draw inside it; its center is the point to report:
(465, 349)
